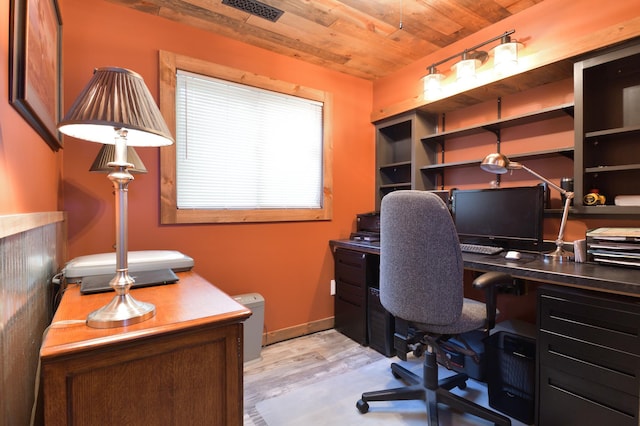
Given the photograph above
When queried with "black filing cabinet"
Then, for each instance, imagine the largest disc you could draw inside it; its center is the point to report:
(588, 358)
(353, 271)
(358, 311)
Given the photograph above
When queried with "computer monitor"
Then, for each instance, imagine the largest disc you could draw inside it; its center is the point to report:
(511, 218)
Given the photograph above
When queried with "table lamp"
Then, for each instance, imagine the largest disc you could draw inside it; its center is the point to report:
(116, 108)
(107, 154)
(500, 164)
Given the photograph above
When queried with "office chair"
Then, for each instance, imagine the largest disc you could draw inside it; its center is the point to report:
(421, 281)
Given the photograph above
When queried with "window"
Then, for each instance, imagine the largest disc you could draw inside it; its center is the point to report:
(248, 148)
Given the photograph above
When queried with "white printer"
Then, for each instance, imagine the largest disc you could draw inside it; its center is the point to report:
(145, 260)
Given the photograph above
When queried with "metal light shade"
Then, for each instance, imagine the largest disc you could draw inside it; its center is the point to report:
(471, 59)
(116, 108)
(116, 98)
(107, 155)
(505, 58)
(432, 88)
(500, 164)
(466, 70)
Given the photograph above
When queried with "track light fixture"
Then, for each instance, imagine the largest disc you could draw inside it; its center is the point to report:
(505, 60)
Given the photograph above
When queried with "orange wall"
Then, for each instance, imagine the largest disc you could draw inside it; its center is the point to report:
(30, 171)
(290, 264)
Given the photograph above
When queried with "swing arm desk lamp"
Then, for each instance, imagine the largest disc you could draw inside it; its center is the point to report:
(499, 164)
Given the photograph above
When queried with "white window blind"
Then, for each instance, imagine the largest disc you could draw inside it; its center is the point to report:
(241, 147)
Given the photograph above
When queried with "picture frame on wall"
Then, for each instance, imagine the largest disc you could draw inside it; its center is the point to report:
(35, 66)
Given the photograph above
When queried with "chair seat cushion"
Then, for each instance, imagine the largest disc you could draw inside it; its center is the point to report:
(473, 317)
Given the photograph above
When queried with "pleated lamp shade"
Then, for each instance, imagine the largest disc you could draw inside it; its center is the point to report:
(116, 98)
(107, 154)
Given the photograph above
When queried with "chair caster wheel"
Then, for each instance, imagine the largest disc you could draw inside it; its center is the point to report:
(418, 351)
(462, 386)
(362, 406)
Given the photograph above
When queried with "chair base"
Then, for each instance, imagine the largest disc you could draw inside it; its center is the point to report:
(432, 391)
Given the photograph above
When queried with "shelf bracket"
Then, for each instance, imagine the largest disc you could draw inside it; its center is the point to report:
(442, 144)
(569, 111)
(493, 128)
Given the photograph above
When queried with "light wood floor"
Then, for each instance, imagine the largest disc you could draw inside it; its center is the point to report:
(298, 362)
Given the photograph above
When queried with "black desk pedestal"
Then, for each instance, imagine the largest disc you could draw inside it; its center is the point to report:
(588, 358)
(358, 312)
(354, 271)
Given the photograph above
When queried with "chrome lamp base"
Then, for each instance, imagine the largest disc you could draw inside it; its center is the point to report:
(121, 311)
(559, 255)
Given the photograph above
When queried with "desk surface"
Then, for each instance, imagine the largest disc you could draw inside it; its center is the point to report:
(191, 302)
(609, 279)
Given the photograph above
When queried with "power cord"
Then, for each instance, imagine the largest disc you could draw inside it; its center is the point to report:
(58, 287)
(36, 389)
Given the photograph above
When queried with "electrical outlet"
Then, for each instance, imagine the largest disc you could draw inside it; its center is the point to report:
(333, 287)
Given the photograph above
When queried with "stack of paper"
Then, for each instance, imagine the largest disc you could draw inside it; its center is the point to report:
(614, 246)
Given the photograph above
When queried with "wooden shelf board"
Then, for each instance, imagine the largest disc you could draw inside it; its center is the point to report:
(503, 123)
(604, 169)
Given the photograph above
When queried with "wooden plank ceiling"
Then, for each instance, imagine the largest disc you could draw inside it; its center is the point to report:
(364, 38)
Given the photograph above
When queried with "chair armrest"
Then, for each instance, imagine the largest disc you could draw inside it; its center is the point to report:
(489, 282)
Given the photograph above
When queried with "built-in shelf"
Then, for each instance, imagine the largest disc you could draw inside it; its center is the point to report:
(607, 131)
(434, 148)
(395, 165)
(396, 141)
(613, 132)
(607, 210)
(449, 165)
(619, 168)
(567, 151)
(411, 153)
(393, 186)
(504, 123)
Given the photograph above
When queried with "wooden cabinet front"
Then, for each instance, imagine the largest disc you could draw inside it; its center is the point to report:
(182, 367)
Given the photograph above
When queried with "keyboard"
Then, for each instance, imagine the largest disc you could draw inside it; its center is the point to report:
(480, 249)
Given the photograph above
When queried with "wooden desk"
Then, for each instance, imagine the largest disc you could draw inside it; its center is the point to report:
(588, 336)
(589, 276)
(183, 366)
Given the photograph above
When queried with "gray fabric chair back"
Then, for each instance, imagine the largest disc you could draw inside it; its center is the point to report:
(421, 267)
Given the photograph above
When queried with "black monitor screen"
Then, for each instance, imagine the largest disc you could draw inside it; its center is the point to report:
(511, 218)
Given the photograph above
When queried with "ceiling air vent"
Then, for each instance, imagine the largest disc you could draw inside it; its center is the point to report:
(256, 8)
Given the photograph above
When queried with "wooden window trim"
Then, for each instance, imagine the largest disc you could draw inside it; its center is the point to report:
(169, 63)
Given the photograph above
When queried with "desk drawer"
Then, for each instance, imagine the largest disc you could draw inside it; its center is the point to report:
(354, 272)
(604, 320)
(351, 259)
(353, 293)
(357, 268)
(604, 366)
(567, 400)
(350, 319)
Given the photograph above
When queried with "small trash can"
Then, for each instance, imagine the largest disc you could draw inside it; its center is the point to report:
(253, 325)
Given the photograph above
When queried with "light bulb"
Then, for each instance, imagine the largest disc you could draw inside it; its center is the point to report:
(505, 58)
